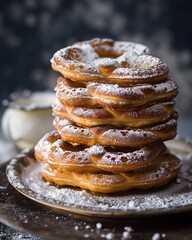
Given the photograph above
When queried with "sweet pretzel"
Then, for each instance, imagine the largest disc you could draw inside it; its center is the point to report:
(114, 108)
(139, 117)
(66, 157)
(163, 171)
(105, 60)
(112, 95)
(111, 136)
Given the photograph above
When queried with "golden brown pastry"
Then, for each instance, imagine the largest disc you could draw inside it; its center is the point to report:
(138, 117)
(113, 136)
(105, 60)
(156, 175)
(63, 156)
(73, 94)
(114, 109)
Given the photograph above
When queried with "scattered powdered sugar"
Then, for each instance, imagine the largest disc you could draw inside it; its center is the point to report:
(116, 90)
(96, 150)
(99, 225)
(128, 135)
(125, 158)
(126, 234)
(7, 233)
(156, 236)
(84, 112)
(178, 180)
(86, 235)
(138, 91)
(171, 123)
(128, 229)
(76, 228)
(13, 177)
(142, 73)
(105, 62)
(75, 130)
(139, 49)
(130, 57)
(69, 92)
(131, 204)
(110, 235)
(167, 86)
(89, 53)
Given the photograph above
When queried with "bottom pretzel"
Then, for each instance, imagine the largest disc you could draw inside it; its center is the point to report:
(157, 175)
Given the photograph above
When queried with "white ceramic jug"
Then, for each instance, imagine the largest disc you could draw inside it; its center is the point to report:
(28, 117)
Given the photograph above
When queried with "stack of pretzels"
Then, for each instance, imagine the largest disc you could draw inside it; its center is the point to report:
(114, 109)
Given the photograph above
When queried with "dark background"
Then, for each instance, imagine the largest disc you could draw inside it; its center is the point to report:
(32, 30)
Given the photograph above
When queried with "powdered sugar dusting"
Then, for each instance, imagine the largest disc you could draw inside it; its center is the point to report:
(96, 94)
(125, 158)
(110, 136)
(75, 130)
(129, 135)
(13, 175)
(100, 116)
(89, 54)
(138, 91)
(170, 124)
(68, 92)
(127, 47)
(132, 63)
(116, 90)
(65, 154)
(96, 150)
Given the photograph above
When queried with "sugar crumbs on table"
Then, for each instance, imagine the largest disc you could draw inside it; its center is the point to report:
(126, 234)
(76, 228)
(110, 235)
(156, 236)
(86, 235)
(178, 180)
(128, 229)
(99, 225)
(87, 227)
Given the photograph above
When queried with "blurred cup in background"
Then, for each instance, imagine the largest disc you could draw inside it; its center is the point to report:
(28, 117)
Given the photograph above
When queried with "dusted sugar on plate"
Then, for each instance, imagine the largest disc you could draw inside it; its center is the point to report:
(114, 109)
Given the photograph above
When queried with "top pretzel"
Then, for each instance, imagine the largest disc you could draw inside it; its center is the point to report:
(106, 60)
